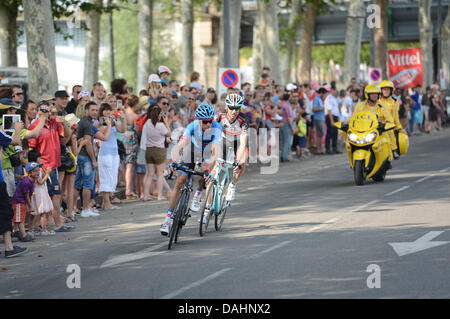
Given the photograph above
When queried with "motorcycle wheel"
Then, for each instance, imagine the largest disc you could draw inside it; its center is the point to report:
(380, 175)
(359, 172)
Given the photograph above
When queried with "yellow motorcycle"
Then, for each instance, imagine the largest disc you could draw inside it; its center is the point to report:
(368, 149)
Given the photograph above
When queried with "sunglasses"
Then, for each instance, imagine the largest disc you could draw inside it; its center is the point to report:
(164, 103)
(207, 121)
(18, 93)
(233, 108)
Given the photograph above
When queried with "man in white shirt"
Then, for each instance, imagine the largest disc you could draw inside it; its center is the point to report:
(332, 115)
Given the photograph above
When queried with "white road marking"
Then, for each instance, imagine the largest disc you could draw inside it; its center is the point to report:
(120, 259)
(398, 190)
(423, 243)
(270, 249)
(365, 205)
(425, 178)
(328, 222)
(196, 284)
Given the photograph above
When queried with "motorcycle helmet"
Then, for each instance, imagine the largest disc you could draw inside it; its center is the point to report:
(387, 84)
(371, 88)
(403, 143)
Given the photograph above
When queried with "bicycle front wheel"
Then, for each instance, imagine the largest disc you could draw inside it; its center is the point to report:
(176, 221)
(223, 207)
(206, 212)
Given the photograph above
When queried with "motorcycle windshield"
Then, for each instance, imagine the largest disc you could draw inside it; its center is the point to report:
(363, 122)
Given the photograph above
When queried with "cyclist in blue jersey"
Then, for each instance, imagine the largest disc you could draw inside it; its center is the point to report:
(201, 143)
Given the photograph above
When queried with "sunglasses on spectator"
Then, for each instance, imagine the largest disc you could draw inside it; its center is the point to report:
(207, 121)
(190, 99)
(18, 93)
(165, 103)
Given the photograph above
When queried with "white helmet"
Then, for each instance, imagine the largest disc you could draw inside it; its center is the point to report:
(234, 100)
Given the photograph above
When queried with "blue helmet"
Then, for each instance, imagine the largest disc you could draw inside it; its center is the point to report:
(205, 111)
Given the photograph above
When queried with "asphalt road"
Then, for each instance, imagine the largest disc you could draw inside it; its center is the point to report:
(305, 232)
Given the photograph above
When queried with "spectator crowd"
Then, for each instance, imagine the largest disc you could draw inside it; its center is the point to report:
(67, 151)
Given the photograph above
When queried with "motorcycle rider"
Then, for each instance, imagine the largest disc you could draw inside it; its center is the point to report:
(371, 104)
(392, 106)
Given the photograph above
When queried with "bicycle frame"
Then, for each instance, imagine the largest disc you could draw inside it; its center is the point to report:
(222, 166)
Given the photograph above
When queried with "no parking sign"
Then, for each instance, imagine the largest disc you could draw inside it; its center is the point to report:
(229, 77)
(374, 76)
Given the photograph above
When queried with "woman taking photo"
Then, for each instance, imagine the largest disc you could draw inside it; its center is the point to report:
(155, 131)
(108, 155)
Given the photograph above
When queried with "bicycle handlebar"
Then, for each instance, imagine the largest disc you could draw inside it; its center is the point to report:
(186, 169)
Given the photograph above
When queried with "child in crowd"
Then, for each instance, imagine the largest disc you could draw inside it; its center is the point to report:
(40, 200)
(301, 135)
(21, 200)
(19, 172)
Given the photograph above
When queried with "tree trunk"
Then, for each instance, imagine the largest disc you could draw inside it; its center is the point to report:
(8, 38)
(40, 34)
(426, 41)
(294, 20)
(257, 49)
(187, 46)
(271, 44)
(145, 43)
(445, 48)
(92, 47)
(235, 32)
(306, 37)
(381, 37)
(353, 34)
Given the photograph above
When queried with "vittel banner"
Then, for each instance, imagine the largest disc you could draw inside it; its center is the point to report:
(405, 67)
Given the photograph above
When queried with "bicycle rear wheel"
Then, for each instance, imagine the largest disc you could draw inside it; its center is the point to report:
(176, 222)
(209, 192)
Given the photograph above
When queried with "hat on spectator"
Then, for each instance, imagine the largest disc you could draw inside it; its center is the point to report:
(7, 103)
(174, 93)
(31, 166)
(18, 149)
(47, 97)
(277, 117)
(83, 93)
(163, 69)
(291, 87)
(61, 93)
(315, 85)
(154, 78)
(327, 87)
(143, 102)
(71, 118)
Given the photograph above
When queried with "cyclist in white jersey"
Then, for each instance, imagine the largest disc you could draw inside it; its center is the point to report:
(235, 135)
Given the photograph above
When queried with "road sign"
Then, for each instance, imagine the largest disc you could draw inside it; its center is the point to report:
(229, 77)
(374, 76)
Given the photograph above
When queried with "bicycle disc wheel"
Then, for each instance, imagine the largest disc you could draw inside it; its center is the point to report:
(209, 191)
(174, 230)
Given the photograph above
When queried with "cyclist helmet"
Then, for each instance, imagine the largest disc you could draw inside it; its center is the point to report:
(371, 88)
(205, 111)
(234, 100)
